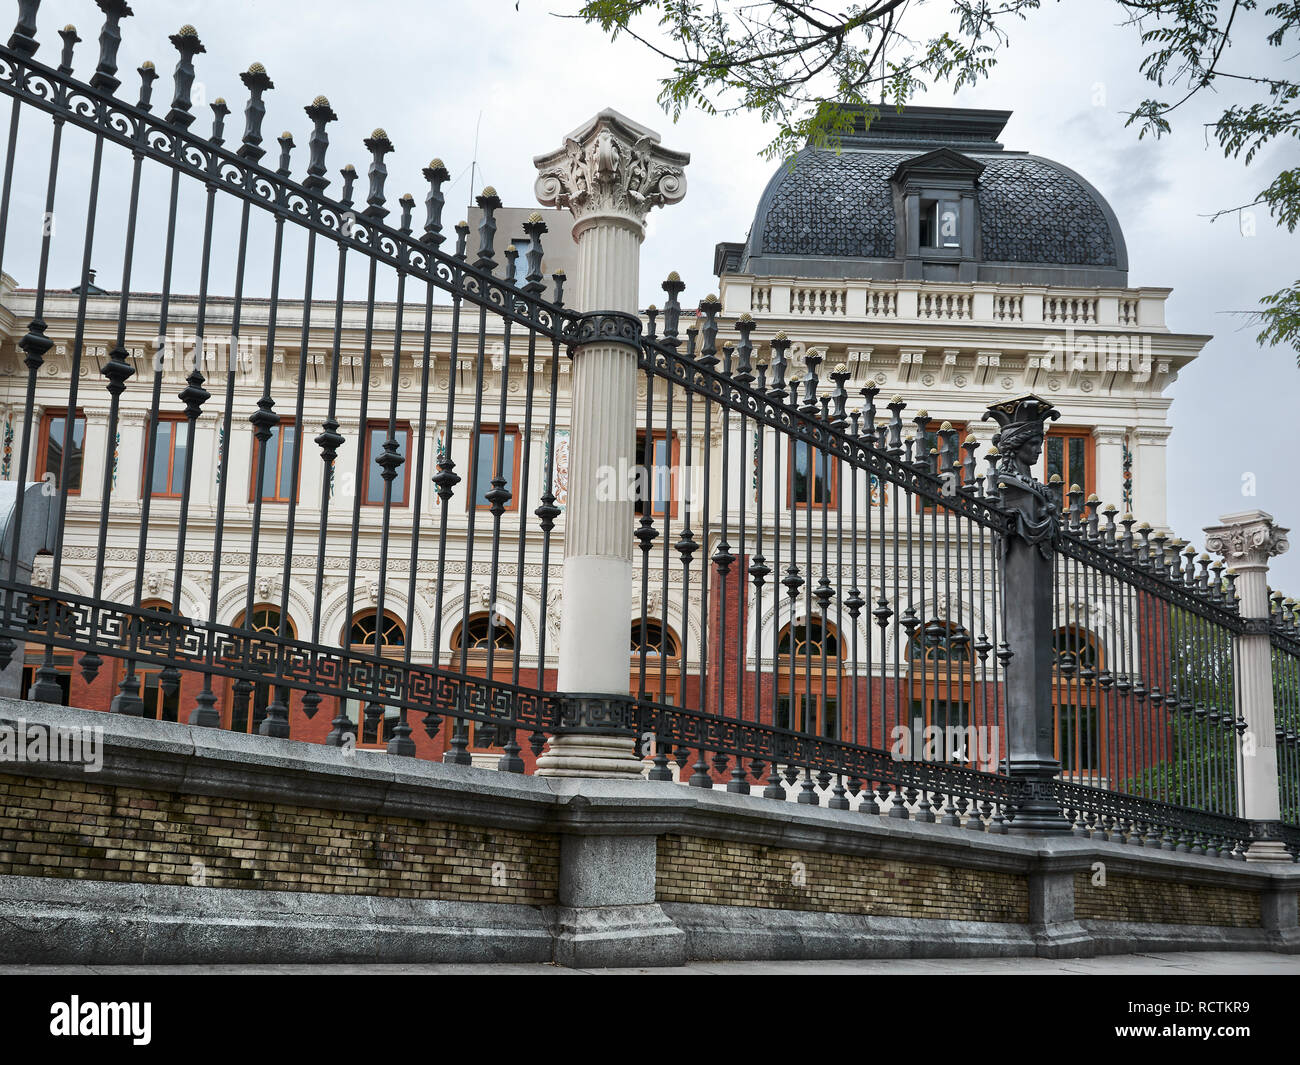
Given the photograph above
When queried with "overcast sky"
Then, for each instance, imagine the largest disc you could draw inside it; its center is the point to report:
(441, 77)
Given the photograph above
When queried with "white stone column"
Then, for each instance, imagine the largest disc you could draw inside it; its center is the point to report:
(609, 174)
(1247, 541)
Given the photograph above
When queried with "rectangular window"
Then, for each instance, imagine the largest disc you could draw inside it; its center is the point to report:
(170, 445)
(158, 705)
(1068, 453)
(49, 458)
(949, 222)
(376, 437)
(281, 463)
(663, 459)
(813, 478)
(497, 444)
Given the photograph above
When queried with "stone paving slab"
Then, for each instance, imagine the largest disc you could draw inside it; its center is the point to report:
(1220, 963)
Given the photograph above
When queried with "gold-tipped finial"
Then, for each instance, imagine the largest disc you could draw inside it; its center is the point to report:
(536, 216)
(1109, 508)
(378, 134)
(560, 272)
(512, 248)
(187, 31)
(220, 101)
(1075, 488)
(69, 28)
(946, 427)
(286, 136)
(841, 367)
(1054, 479)
(349, 169)
(895, 399)
(406, 197)
(1094, 498)
(674, 276)
(320, 101)
(489, 191)
(256, 68)
(922, 414)
(652, 309)
(993, 450)
(147, 65)
(745, 317)
(435, 163)
(462, 224)
(710, 298)
(781, 336)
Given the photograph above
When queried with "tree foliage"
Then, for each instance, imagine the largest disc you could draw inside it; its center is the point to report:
(807, 68)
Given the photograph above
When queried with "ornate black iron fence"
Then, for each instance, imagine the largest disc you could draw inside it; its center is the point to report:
(1284, 634)
(826, 599)
(338, 582)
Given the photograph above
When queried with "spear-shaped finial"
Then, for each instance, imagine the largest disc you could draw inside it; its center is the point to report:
(321, 114)
(488, 203)
(257, 82)
(110, 39)
(434, 201)
(186, 40)
(533, 230)
(378, 145)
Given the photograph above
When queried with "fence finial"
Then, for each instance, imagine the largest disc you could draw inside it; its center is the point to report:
(745, 350)
(321, 114)
(434, 201)
(489, 203)
(23, 39)
(286, 147)
(710, 306)
(110, 38)
(187, 42)
(777, 388)
(219, 113)
(533, 230)
(378, 145)
(148, 75)
(257, 82)
(672, 313)
(812, 360)
(70, 41)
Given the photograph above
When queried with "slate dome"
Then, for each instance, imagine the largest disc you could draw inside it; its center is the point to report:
(1033, 220)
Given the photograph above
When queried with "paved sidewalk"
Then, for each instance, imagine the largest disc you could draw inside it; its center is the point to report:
(1208, 963)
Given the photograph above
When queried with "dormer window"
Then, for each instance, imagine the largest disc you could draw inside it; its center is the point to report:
(929, 224)
(939, 224)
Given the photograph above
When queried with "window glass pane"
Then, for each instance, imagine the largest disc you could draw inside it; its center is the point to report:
(830, 717)
(1055, 457)
(272, 457)
(161, 456)
(375, 472)
(1077, 474)
(287, 459)
(508, 462)
(54, 450)
(662, 490)
(181, 433)
(949, 224)
(486, 459)
(799, 472)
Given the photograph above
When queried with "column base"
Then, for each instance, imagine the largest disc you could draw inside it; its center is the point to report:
(1268, 850)
(583, 754)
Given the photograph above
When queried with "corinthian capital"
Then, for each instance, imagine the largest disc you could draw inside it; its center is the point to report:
(1247, 540)
(609, 167)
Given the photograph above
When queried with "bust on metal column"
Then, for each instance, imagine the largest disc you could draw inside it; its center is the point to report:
(610, 173)
(1027, 551)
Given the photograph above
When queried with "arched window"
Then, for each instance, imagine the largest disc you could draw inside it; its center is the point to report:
(478, 641)
(941, 682)
(1079, 728)
(480, 633)
(662, 677)
(370, 631)
(809, 678)
(248, 701)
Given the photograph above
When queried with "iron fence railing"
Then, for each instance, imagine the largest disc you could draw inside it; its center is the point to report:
(822, 604)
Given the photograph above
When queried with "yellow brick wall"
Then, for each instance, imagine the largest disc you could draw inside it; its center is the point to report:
(83, 830)
(725, 873)
(1126, 898)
